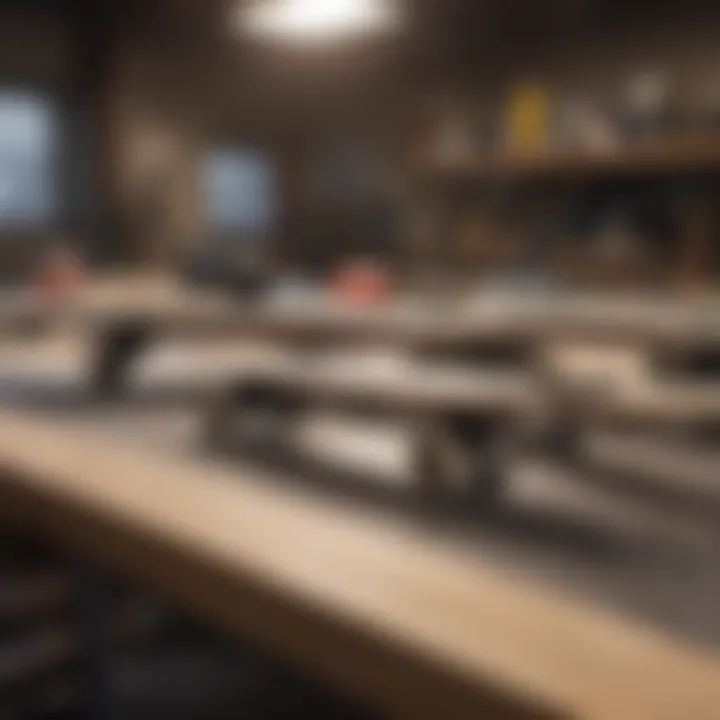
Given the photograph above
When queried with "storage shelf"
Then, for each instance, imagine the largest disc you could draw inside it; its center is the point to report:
(653, 161)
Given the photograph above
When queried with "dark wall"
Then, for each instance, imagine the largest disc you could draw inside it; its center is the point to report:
(128, 120)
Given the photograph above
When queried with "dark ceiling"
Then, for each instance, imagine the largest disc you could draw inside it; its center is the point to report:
(447, 30)
(442, 39)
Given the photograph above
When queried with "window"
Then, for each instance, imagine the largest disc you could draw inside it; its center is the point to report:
(27, 143)
(240, 192)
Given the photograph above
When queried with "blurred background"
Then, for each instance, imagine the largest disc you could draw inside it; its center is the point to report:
(434, 168)
(580, 132)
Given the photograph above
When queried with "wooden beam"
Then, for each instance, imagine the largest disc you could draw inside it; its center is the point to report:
(651, 160)
(168, 309)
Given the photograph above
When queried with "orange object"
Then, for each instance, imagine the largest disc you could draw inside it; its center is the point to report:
(59, 274)
(362, 283)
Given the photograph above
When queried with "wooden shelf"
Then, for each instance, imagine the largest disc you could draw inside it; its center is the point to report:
(655, 160)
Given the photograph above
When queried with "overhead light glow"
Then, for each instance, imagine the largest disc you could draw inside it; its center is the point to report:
(319, 19)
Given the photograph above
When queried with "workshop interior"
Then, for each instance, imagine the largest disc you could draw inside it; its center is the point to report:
(359, 359)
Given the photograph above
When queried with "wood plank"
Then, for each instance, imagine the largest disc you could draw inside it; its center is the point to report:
(508, 394)
(415, 388)
(416, 627)
(170, 309)
(521, 326)
(647, 160)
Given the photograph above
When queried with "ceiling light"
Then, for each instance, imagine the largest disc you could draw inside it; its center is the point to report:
(318, 19)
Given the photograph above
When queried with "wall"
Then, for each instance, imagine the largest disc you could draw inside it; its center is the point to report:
(162, 102)
(302, 106)
(681, 44)
(127, 164)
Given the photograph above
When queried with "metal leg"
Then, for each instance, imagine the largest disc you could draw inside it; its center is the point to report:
(562, 437)
(429, 471)
(482, 445)
(218, 422)
(93, 603)
(116, 351)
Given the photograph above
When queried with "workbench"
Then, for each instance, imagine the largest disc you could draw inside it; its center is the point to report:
(411, 625)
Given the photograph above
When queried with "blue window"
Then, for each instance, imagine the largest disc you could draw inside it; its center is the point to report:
(27, 169)
(240, 192)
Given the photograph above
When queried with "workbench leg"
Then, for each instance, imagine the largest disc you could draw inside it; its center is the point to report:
(219, 420)
(429, 474)
(482, 443)
(94, 594)
(563, 433)
(116, 350)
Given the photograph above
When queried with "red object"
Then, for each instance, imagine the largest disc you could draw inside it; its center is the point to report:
(362, 283)
(59, 275)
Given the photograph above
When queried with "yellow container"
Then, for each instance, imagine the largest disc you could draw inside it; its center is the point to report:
(528, 120)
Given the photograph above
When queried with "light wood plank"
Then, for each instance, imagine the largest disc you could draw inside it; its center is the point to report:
(416, 627)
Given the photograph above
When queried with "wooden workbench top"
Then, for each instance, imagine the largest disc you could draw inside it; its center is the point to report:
(414, 626)
(520, 316)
